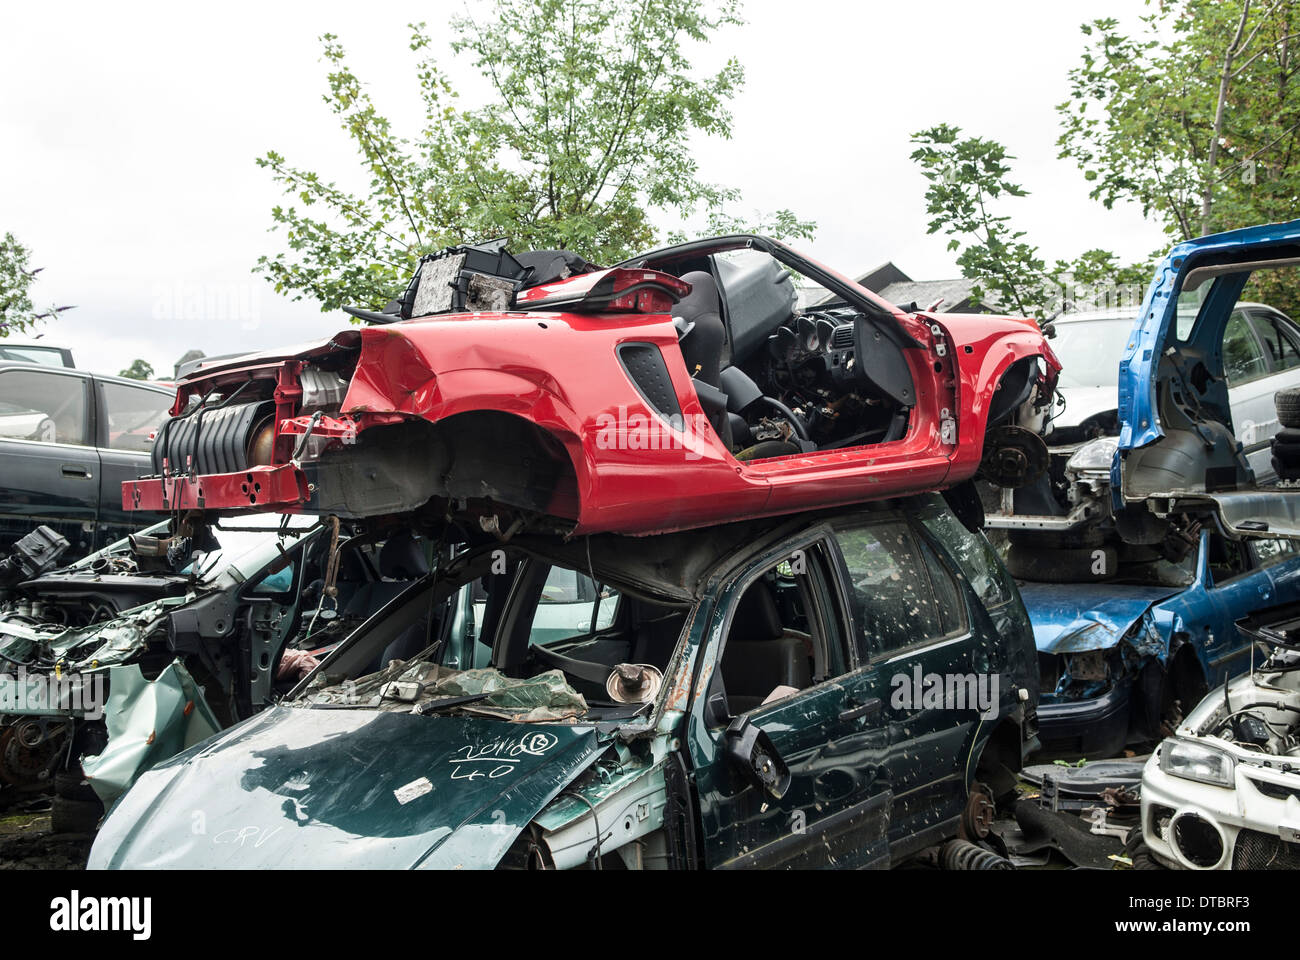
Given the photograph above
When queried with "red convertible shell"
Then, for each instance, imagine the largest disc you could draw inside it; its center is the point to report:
(631, 470)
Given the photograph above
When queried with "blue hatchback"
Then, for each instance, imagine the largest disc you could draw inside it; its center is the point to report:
(1124, 660)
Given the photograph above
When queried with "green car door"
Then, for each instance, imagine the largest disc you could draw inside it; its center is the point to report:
(778, 676)
(913, 625)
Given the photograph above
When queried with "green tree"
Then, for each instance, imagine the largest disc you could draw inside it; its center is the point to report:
(968, 178)
(586, 135)
(17, 312)
(139, 370)
(1193, 115)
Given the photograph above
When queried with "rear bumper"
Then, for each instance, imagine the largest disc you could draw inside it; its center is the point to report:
(258, 488)
(1098, 725)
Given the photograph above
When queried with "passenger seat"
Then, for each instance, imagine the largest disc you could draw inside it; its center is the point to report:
(760, 654)
(401, 562)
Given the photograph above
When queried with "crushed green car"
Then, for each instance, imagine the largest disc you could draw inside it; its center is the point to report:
(841, 688)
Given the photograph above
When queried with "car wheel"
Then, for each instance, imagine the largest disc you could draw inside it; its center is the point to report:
(74, 816)
(73, 785)
(1136, 850)
(1287, 403)
(1286, 471)
(1078, 565)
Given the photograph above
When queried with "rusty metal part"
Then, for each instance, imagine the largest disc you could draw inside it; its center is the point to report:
(332, 567)
(261, 446)
(634, 683)
(977, 818)
(22, 766)
(1013, 456)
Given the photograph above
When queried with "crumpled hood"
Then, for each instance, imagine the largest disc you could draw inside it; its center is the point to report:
(345, 788)
(1069, 618)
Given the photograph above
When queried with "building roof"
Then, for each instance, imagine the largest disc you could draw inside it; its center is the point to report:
(957, 296)
(887, 280)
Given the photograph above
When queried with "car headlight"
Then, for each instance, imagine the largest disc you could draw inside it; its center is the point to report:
(1093, 455)
(1193, 761)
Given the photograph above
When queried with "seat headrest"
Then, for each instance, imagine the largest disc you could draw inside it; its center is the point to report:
(402, 558)
(703, 298)
(757, 617)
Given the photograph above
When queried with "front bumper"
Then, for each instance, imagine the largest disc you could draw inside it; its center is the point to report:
(1096, 727)
(1254, 824)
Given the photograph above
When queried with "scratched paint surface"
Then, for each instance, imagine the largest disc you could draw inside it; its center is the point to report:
(348, 788)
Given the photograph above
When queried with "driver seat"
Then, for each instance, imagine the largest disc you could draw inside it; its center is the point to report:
(702, 331)
(701, 335)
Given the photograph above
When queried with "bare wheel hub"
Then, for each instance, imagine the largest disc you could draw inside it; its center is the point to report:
(977, 818)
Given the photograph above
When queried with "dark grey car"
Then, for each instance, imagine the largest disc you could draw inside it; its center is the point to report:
(68, 438)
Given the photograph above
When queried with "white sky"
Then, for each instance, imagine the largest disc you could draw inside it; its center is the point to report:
(128, 134)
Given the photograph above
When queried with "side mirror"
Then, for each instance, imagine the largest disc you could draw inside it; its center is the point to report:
(751, 752)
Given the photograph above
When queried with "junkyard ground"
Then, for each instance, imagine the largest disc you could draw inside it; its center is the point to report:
(26, 842)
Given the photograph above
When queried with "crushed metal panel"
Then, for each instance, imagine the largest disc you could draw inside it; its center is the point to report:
(147, 721)
(1069, 618)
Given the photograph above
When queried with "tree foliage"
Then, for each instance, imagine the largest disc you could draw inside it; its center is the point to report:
(586, 135)
(968, 178)
(1194, 116)
(17, 312)
(139, 370)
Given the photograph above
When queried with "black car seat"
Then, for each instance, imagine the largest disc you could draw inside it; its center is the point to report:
(401, 561)
(761, 654)
(701, 314)
(701, 334)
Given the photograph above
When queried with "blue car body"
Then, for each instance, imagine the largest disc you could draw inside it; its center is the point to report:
(1176, 442)
(1105, 650)
(1117, 661)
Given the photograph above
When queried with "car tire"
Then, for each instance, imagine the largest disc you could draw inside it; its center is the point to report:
(1288, 435)
(1058, 540)
(1286, 450)
(1047, 565)
(1290, 470)
(74, 816)
(1287, 404)
(72, 785)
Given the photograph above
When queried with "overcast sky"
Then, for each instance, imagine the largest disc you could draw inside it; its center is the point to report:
(129, 134)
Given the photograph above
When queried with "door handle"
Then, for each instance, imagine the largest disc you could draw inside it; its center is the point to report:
(75, 470)
(866, 708)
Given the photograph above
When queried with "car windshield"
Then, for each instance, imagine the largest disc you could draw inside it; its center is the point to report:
(532, 640)
(50, 356)
(243, 538)
(1090, 350)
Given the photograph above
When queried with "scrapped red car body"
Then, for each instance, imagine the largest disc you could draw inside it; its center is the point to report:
(683, 388)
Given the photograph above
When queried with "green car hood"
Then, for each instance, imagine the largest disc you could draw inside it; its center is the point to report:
(345, 788)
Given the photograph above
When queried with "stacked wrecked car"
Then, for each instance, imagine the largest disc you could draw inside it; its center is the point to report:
(726, 498)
